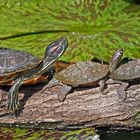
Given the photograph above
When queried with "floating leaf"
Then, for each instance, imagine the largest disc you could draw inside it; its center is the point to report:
(38, 134)
(93, 27)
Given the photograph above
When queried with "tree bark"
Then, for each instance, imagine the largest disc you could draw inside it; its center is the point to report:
(82, 108)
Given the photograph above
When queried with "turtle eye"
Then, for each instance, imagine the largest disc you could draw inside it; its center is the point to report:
(56, 48)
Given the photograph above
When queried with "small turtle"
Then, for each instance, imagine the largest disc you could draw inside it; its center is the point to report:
(127, 71)
(17, 68)
(83, 74)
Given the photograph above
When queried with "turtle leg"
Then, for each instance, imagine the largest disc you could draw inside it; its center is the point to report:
(62, 93)
(121, 91)
(13, 103)
(53, 82)
(103, 85)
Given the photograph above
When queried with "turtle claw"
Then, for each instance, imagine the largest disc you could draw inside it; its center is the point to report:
(13, 106)
(13, 103)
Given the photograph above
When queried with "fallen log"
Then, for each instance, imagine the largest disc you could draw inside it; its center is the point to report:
(84, 107)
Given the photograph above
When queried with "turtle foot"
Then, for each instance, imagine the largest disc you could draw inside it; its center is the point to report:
(61, 97)
(63, 92)
(121, 94)
(121, 91)
(104, 92)
(13, 106)
(53, 82)
(13, 103)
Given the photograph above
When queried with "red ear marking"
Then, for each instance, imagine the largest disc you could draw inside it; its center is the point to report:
(53, 49)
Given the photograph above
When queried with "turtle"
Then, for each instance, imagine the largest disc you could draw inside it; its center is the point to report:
(126, 72)
(18, 67)
(83, 74)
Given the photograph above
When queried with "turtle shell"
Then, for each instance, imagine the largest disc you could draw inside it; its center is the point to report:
(12, 61)
(127, 71)
(82, 73)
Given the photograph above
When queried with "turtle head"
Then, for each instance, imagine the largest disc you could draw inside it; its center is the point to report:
(115, 60)
(52, 53)
(56, 49)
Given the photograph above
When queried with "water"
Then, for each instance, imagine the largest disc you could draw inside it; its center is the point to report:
(82, 134)
(119, 134)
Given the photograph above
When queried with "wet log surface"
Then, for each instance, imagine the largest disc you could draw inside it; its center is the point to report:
(82, 108)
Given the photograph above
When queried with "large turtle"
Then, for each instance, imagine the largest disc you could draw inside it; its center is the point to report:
(83, 74)
(127, 71)
(17, 68)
